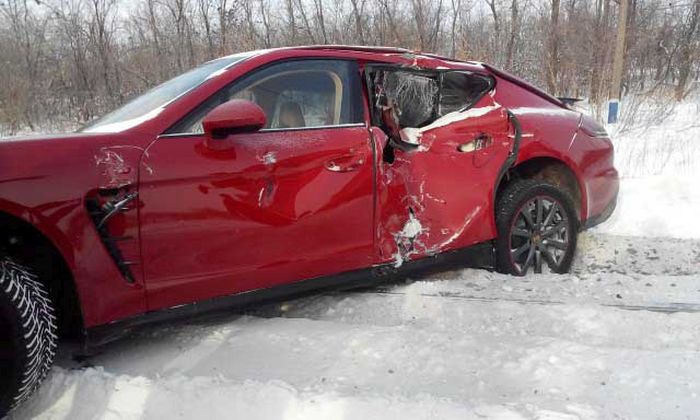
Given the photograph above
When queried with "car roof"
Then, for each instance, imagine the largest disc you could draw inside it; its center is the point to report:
(394, 54)
(382, 50)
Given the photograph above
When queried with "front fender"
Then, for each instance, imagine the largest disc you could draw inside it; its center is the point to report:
(45, 182)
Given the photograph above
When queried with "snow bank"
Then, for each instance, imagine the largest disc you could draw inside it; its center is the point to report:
(658, 163)
(669, 147)
(658, 206)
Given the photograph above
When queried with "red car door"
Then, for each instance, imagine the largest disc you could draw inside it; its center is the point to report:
(292, 201)
(449, 141)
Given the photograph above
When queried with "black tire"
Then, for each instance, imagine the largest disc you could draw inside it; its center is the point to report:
(27, 334)
(537, 225)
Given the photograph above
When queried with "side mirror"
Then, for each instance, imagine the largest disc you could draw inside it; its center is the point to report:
(234, 116)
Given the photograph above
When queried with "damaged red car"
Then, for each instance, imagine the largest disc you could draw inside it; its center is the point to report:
(271, 173)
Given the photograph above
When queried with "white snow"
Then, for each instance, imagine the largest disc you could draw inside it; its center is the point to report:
(663, 206)
(405, 238)
(650, 146)
(618, 337)
(412, 228)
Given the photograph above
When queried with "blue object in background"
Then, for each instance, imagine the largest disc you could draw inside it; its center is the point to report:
(613, 109)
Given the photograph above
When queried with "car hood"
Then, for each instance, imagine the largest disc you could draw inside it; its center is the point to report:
(37, 169)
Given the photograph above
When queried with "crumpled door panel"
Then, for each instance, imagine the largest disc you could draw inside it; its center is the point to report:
(438, 196)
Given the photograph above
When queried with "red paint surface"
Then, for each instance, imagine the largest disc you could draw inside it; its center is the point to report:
(272, 207)
(267, 208)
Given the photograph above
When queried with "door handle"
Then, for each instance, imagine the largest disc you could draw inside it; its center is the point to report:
(346, 163)
(479, 142)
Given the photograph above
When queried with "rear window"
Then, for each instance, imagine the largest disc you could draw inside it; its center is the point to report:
(461, 90)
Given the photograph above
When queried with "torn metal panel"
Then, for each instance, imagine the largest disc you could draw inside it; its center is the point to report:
(431, 196)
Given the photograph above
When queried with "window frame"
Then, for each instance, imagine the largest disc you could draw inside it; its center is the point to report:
(353, 90)
(375, 118)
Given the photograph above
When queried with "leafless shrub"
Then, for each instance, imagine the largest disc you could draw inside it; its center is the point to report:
(642, 110)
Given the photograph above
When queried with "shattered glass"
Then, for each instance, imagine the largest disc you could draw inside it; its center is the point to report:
(413, 96)
(461, 90)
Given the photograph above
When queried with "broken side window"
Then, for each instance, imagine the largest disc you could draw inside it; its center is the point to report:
(461, 90)
(413, 97)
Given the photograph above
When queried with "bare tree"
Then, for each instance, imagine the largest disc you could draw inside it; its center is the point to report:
(92, 55)
(553, 48)
(456, 11)
(689, 48)
(204, 7)
(510, 46)
(357, 17)
(320, 19)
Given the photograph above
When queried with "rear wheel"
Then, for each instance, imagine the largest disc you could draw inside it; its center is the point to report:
(537, 229)
(27, 334)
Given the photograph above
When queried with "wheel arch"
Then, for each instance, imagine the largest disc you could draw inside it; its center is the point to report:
(553, 170)
(33, 247)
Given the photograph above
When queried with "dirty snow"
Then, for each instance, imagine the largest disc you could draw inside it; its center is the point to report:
(619, 337)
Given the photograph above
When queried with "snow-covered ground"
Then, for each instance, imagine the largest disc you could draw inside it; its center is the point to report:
(619, 337)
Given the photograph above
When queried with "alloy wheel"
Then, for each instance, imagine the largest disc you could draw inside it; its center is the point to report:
(539, 234)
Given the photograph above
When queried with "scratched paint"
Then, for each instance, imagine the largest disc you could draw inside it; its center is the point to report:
(269, 158)
(117, 165)
(113, 168)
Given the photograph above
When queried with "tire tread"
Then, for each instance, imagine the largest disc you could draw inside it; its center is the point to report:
(37, 324)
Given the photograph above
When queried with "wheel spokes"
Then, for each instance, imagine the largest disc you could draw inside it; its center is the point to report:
(550, 214)
(528, 217)
(549, 258)
(539, 207)
(555, 243)
(539, 235)
(523, 233)
(538, 261)
(529, 260)
(554, 229)
(518, 252)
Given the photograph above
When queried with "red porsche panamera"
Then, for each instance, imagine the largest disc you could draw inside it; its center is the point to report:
(269, 173)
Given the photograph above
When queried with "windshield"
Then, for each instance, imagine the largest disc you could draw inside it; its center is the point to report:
(151, 103)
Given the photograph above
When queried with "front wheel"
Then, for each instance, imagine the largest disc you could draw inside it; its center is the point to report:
(537, 228)
(27, 334)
